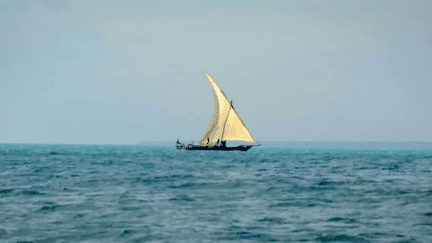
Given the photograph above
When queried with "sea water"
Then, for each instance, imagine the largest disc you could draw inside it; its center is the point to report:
(288, 193)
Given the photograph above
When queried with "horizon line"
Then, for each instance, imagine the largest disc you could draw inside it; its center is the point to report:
(264, 141)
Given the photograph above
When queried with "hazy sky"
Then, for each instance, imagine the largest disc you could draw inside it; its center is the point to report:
(118, 72)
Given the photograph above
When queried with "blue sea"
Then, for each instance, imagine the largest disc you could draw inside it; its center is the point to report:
(278, 192)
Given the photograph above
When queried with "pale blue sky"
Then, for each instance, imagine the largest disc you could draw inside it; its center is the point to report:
(122, 72)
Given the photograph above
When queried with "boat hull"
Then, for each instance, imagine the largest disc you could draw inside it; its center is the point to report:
(182, 146)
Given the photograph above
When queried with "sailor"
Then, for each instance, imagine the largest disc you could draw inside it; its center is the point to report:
(178, 140)
(217, 142)
(208, 141)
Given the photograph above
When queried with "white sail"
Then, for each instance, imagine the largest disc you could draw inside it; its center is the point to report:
(225, 124)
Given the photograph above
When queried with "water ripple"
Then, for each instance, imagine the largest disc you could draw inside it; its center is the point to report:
(53, 193)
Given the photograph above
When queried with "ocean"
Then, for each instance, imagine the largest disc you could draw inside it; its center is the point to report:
(279, 192)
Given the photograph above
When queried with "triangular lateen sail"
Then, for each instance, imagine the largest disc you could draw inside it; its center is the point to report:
(225, 121)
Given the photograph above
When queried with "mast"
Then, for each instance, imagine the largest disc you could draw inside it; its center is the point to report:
(223, 130)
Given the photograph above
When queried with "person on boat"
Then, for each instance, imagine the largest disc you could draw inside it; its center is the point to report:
(223, 143)
(178, 140)
(218, 141)
(208, 141)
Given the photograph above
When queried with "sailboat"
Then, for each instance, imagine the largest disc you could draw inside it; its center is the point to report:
(225, 125)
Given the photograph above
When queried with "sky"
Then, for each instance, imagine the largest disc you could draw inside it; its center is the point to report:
(125, 72)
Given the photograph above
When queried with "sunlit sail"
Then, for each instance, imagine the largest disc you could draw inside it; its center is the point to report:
(225, 125)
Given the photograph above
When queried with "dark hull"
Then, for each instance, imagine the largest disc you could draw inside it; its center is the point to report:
(182, 146)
